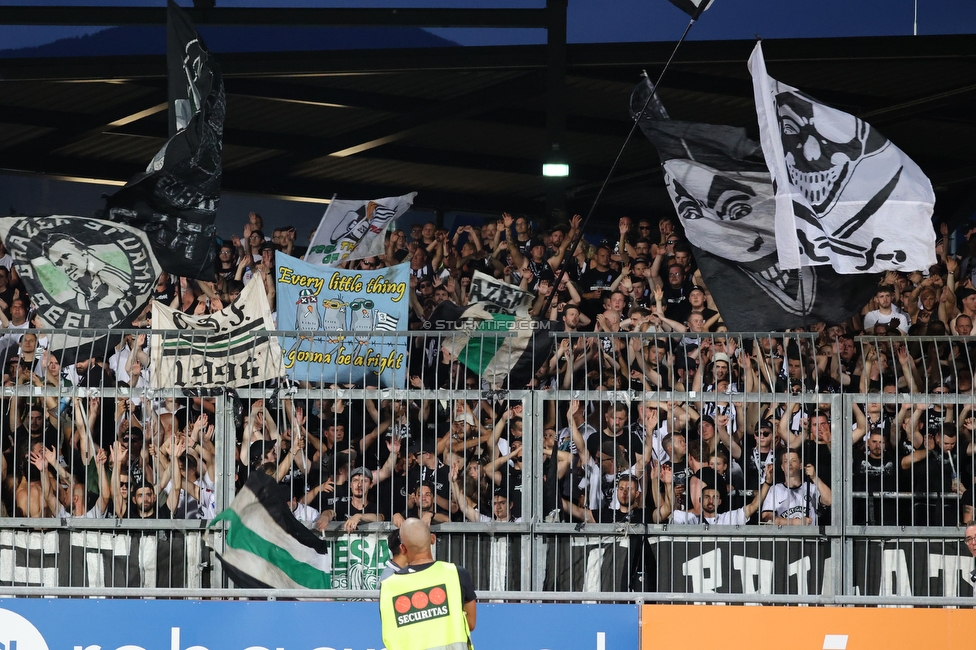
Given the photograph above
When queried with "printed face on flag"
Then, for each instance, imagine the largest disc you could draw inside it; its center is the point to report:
(730, 214)
(81, 272)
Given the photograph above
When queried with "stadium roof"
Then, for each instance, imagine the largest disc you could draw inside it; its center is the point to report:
(466, 127)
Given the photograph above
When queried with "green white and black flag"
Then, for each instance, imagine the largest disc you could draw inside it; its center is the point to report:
(265, 546)
(693, 8)
(175, 199)
(81, 272)
(494, 336)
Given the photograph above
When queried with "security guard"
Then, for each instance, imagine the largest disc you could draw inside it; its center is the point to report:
(426, 604)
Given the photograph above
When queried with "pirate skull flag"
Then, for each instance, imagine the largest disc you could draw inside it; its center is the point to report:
(81, 272)
(175, 199)
(721, 191)
(845, 195)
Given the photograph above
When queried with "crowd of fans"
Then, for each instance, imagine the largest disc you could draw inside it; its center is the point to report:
(630, 314)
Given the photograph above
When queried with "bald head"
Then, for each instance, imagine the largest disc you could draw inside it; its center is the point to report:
(416, 538)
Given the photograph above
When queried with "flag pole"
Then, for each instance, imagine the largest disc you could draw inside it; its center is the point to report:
(606, 181)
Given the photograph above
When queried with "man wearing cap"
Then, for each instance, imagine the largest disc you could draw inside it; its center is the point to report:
(358, 508)
(556, 238)
(966, 300)
(426, 604)
(886, 311)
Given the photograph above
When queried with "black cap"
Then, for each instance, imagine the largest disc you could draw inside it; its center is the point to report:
(258, 450)
(427, 444)
(964, 292)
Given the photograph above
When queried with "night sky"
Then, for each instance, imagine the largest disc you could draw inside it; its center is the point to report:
(626, 20)
(589, 21)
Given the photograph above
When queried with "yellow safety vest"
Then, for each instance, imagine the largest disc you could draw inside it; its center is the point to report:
(424, 611)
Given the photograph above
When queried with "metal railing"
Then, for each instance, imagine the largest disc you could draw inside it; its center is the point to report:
(884, 535)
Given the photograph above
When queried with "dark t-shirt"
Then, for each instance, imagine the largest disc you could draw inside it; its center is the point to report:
(345, 510)
(162, 511)
(593, 279)
(467, 584)
(676, 305)
(630, 442)
(607, 515)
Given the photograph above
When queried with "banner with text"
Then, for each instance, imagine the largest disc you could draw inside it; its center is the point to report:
(40, 623)
(338, 315)
(229, 348)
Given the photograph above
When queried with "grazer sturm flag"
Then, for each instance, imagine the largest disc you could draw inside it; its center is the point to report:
(231, 347)
(693, 8)
(846, 196)
(723, 196)
(495, 337)
(175, 199)
(265, 546)
(352, 230)
(81, 272)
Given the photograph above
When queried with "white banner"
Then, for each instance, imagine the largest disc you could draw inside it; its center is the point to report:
(229, 348)
(352, 230)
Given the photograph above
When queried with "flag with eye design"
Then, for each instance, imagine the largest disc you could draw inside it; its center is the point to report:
(845, 195)
(721, 190)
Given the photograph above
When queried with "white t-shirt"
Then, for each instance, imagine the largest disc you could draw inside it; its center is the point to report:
(793, 503)
(730, 518)
(872, 318)
(305, 513)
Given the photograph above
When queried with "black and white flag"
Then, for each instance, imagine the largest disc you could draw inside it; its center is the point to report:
(693, 8)
(721, 191)
(845, 195)
(175, 199)
(352, 230)
(230, 347)
(81, 272)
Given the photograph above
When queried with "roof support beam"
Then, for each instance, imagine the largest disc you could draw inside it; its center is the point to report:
(74, 128)
(278, 16)
(402, 126)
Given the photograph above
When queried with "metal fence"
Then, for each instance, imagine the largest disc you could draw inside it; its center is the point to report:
(571, 490)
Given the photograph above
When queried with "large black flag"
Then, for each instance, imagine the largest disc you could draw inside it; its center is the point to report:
(175, 199)
(724, 198)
